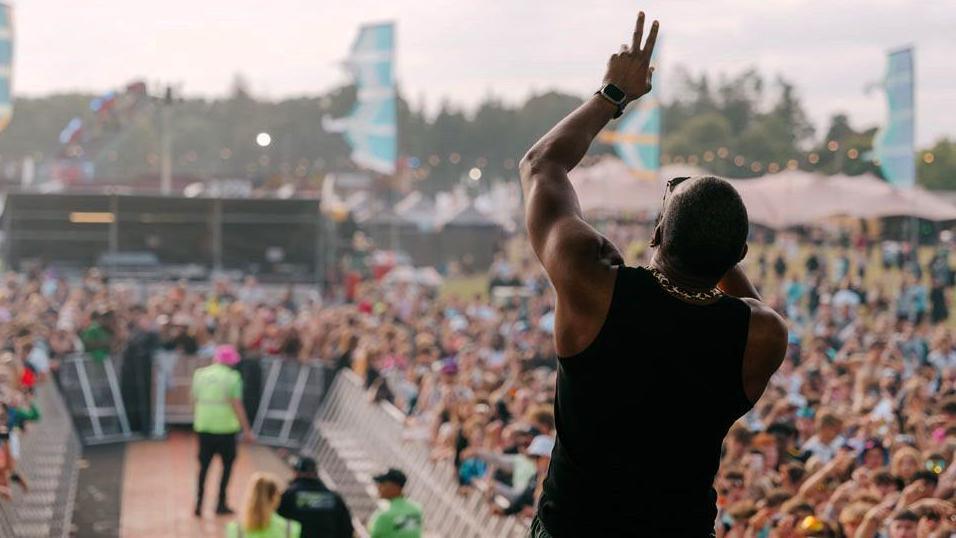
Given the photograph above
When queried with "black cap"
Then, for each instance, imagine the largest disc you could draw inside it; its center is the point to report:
(305, 465)
(392, 475)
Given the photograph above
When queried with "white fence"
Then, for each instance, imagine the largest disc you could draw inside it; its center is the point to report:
(350, 427)
(49, 456)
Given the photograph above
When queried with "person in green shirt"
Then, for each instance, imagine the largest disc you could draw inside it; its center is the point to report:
(259, 518)
(218, 416)
(97, 337)
(402, 518)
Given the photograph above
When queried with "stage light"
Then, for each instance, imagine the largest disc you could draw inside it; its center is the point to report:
(792, 164)
(852, 153)
(263, 139)
(454, 158)
(708, 155)
(723, 153)
(833, 145)
(928, 157)
(474, 174)
(739, 160)
(813, 158)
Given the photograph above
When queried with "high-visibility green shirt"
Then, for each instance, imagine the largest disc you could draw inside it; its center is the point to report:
(402, 519)
(214, 389)
(279, 527)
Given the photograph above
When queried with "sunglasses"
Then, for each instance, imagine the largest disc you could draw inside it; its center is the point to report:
(668, 189)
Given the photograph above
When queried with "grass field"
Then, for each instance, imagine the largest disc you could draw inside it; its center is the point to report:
(465, 287)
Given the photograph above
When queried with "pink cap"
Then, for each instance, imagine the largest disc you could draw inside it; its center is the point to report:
(226, 354)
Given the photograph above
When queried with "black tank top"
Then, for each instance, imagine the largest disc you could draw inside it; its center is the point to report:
(641, 415)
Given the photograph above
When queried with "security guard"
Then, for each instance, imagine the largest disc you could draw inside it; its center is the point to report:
(218, 417)
(322, 513)
(402, 518)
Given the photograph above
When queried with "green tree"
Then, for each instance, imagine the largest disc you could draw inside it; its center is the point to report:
(936, 167)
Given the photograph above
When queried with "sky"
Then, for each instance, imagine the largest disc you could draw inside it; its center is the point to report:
(465, 50)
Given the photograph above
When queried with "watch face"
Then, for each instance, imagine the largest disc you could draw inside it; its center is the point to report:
(614, 92)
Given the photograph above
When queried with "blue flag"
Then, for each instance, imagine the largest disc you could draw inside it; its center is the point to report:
(894, 144)
(6, 65)
(371, 128)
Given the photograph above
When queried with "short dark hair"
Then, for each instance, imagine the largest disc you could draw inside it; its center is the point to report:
(884, 478)
(795, 472)
(906, 515)
(927, 476)
(704, 227)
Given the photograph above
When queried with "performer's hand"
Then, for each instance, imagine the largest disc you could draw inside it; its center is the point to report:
(630, 69)
(248, 437)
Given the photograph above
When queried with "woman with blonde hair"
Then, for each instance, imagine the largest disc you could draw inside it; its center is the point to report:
(905, 463)
(259, 518)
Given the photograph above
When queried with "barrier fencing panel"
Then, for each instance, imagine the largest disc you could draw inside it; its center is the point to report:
(291, 395)
(172, 382)
(91, 390)
(350, 428)
(49, 455)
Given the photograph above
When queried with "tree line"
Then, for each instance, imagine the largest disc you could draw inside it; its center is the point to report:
(741, 125)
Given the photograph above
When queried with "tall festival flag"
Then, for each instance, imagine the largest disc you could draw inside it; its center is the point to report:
(371, 128)
(6, 65)
(894, 144)
(637, 140)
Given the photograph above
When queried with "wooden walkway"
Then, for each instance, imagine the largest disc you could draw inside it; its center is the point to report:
(159, 487)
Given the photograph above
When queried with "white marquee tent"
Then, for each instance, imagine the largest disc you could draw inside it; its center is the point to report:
(781, 200)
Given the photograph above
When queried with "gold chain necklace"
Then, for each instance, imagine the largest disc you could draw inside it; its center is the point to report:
(675, 290)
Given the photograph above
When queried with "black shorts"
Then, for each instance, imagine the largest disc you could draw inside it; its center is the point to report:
(211, 444)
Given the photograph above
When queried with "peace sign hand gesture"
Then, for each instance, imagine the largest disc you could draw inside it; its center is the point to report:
(630, 69)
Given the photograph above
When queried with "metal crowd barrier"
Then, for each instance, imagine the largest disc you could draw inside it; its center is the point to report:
(172, 382)
(49, 452)
(91, 389)
(290, 400)
(353, 438)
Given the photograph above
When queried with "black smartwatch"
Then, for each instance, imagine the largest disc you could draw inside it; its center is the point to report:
(615, 95)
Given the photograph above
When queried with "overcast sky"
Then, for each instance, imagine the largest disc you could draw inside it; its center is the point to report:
(463, 50)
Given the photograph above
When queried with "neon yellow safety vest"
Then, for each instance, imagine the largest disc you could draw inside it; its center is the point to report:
(214, 389)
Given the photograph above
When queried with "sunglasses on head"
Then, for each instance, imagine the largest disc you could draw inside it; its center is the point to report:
(669, 188)
(671, 185)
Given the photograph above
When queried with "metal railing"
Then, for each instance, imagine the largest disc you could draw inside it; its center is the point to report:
(353, 435)
(49, 455)
(92, 389)
(291, 396)
(172, 382)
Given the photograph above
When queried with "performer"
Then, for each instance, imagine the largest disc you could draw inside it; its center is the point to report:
(654, 363)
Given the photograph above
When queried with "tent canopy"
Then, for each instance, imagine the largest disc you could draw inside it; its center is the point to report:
(790, 198)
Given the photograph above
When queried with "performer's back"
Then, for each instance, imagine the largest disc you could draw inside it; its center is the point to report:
(652, 379)
(641, 414)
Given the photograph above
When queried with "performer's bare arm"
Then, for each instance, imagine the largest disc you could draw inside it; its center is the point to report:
(767, 338)
(579, 261)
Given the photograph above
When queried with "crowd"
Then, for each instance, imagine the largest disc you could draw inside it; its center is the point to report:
(855, 435)
(23, 366)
